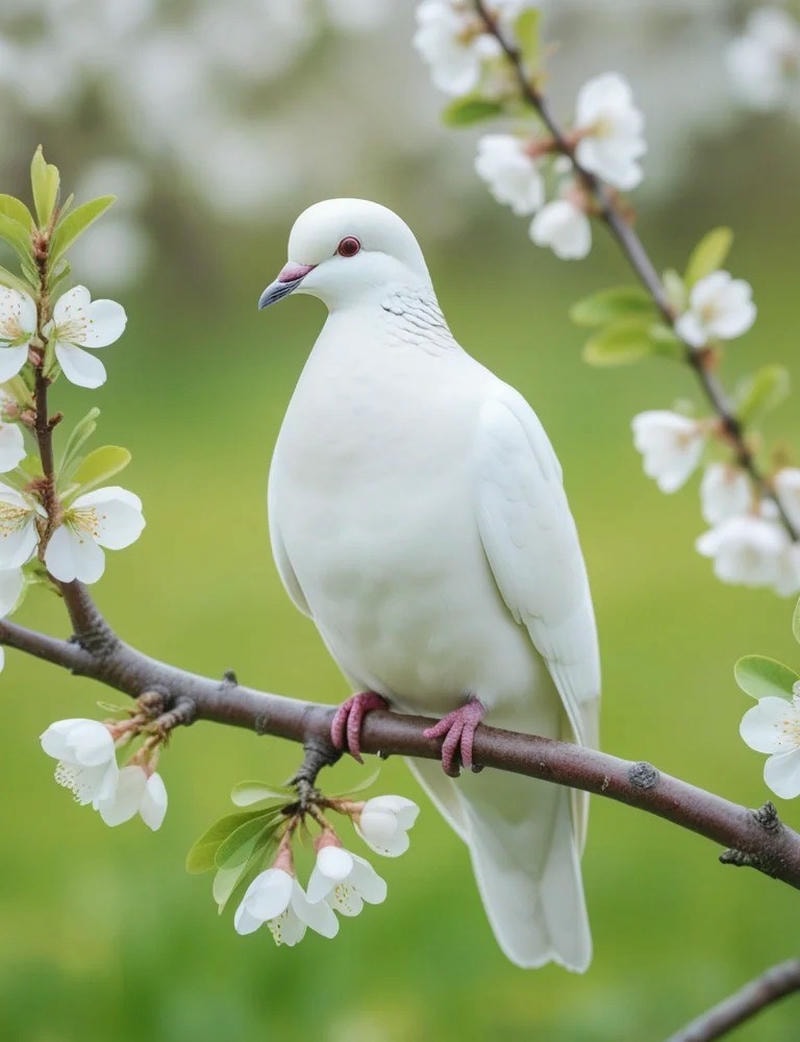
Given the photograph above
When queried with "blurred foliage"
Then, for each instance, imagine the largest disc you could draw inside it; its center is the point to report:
(104, 934)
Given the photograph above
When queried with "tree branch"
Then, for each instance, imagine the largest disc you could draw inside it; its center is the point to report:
(638, 258)
(756, 839)
(774, 984)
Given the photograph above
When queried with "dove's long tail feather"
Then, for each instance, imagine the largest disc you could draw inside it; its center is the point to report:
(525, 854)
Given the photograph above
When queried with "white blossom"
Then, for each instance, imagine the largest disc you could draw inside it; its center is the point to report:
(450, 40)
(749, 550)
(87, 764)
(80, 322)
(564, 227)
(511, 174)
(12, 446)
(384, 822)
(136, 792)
(725, 492)
(18, 534)
(788, 582)
(17, 329)
(720, 307)
(671, 446)
(764, 63)
(787, 489)
(773, 726)
(610, 129)
(344, 880)
(106, 517)
(276, 898)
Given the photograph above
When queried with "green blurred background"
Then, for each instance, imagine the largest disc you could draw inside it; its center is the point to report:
(105, 937)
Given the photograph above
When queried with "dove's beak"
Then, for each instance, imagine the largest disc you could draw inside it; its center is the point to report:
(290, 277)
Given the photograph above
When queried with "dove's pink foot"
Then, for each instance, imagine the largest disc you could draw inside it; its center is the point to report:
(349, 719)
(458, 730)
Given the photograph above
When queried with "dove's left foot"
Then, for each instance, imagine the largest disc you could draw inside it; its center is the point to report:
(458, 730)
(349, 719)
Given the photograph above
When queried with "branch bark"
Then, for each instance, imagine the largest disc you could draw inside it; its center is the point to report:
(774, 984)
(756, 839)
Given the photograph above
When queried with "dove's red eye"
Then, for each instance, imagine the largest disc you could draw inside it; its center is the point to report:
(349, 246)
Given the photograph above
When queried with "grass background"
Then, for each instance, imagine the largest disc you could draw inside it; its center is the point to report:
(104, 936)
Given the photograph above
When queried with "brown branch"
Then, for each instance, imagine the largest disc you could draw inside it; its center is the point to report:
(774, 984)
(756, 839)
(638, 258)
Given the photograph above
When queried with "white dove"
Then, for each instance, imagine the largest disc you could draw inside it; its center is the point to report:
(417, 515)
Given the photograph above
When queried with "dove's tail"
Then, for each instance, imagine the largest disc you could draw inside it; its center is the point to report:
(525, 853)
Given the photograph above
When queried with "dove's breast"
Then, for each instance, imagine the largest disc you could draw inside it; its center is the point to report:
(372, 508)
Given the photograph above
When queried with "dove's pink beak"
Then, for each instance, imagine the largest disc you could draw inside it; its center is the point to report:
(289, 278)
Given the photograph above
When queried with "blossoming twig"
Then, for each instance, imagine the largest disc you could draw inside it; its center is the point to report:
(632, 247)
(774, 850)
(775, 983)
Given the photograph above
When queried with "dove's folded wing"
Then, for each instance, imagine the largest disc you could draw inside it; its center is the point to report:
(532, 546)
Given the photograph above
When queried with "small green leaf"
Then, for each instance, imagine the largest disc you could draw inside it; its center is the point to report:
(675, 288)
(45, 184)
(17, 211)
(248, 792)
(32, 465)
(708, 255)
(462, 112)
(79, 435)
(74, 224)
(16, 236)
(526, 33)
(58, 276)
(8, 278)
(796, 622)
(761, 392)
(225, 882)
(202, 852)
(609, 305)
(235, 874)
(760, 677)
(100, 465)
(232, 849)
(620, 343)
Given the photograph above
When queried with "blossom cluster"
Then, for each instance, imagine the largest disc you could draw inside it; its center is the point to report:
(87, 766)
(764, 61)
(340, 881)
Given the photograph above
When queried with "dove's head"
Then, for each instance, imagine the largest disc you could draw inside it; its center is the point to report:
(348, 252)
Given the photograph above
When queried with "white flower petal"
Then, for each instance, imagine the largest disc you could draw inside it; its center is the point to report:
(73, 555)
(12, 446)
(725, 492)
(17, 316)
(286, 928)
(564, 228)
(113, 515)
(153, 806)
(746, 550)
(107, 321)
(79, 367)
(771, 726)
(70, 303)
(335, 862)
(88, 784)
(367, 881)
(12, 582)
(269, 894)
(244, 922)
(671, 446)
(318, 915)
(12, 359)
(79, 740)
(123, 803)
(782, 774)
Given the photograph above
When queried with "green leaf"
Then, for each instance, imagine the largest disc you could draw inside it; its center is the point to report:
(620, 343)
(45, 182)
(17, 211)
(202, 852)
(80, 434)
(225, 882)
(708, 255)
(100, 465)
(796, 622)
(232, 849)
(761, 392)
(610, 305)
(74, 224)
(463, 112)
(248, 792)
(16, 235)
(526, 33)
(235, 874)
(675, 289)
(8, 278)
(760, 677)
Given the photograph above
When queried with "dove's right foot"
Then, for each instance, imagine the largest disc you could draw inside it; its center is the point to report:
(349, 719)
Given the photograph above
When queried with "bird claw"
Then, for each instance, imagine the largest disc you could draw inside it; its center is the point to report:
(349, 719)
(458, 731)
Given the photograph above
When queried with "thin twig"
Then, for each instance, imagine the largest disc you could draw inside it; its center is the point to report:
(638, 258)
(760, 840)
(774, 984)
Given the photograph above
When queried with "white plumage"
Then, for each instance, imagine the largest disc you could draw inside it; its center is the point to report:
(417, 514)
